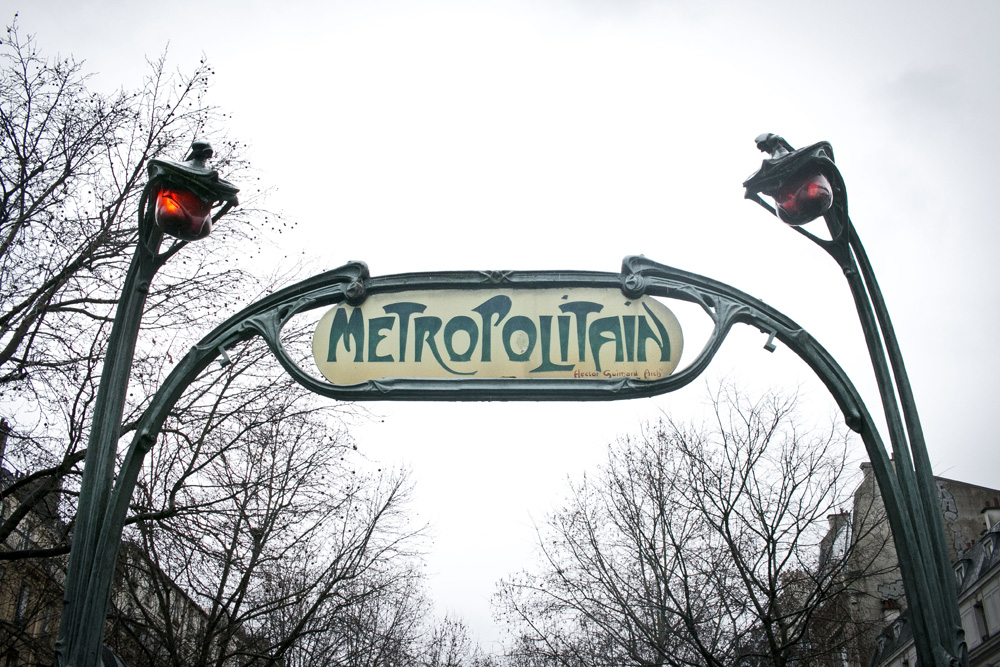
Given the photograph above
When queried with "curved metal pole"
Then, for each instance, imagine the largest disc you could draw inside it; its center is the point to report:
(895, 489)
(91, 564)
(723, 303)
(938, 632)
(76, 645)
(937, 628)
(81, 644)
(953, 638)
(926, 608)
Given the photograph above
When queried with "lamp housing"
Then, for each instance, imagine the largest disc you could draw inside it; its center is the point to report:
(186, 193)
(803, 183)
(182, 214)
(803, 199)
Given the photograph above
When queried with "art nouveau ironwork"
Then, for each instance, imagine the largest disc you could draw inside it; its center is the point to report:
(804, 184)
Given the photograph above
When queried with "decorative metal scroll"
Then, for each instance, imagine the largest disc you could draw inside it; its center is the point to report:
(907, 487)
(351, 283)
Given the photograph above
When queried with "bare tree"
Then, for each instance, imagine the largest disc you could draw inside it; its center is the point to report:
(250, 533)
(381, 627)
(448, 644)
(256, 527)
(695, 546)
(72, 166)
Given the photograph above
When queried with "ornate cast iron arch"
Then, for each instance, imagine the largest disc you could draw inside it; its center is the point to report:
(351, 283)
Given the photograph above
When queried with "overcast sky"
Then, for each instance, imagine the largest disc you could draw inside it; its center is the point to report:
(558, 134)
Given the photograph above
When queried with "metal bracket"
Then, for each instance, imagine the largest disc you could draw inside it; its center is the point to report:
(769, 345)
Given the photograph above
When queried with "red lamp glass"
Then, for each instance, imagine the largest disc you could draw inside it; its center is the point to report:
(183, 214)
(803, 199)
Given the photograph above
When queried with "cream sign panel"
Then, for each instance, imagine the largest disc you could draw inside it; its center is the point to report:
(552, 333)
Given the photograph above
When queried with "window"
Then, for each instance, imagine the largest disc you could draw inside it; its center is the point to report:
(22, 603)
(980, 615)
(47, 619)
(991, 607)
(971, 625)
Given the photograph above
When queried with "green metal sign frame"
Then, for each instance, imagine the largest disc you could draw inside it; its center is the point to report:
(907, 487)
(351, 283)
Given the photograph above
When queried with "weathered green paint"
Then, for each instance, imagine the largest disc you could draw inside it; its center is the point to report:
(93, 556)
(908, 486)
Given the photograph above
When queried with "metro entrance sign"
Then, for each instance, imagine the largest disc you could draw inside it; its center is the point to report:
(507, 335)
(568, 333)
(351, 286)
(610, 314)
(523, 336)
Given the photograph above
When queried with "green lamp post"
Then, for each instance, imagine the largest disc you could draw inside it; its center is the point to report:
(804, 185)
(178, 200)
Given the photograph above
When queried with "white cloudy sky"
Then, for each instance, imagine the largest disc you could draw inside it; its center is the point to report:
(570, 133)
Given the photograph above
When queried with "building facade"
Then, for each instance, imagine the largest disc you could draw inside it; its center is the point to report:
(875, 628)
(144, 600)
(977, 574)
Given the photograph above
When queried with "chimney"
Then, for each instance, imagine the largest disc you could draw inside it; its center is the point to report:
(837, 521)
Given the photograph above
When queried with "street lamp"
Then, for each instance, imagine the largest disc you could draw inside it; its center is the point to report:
(186, 193)
(178, 200)
(805, 184)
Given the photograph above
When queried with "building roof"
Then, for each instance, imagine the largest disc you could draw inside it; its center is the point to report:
(982, 558)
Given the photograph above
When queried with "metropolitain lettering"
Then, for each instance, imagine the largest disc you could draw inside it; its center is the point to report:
(573, 337)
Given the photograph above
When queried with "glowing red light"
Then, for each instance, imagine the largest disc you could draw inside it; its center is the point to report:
(182, 214)
(804, 199)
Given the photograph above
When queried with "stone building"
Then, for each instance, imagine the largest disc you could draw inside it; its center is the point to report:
(143, 600)
(876, 600)
(30, 589)
(977, 574)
